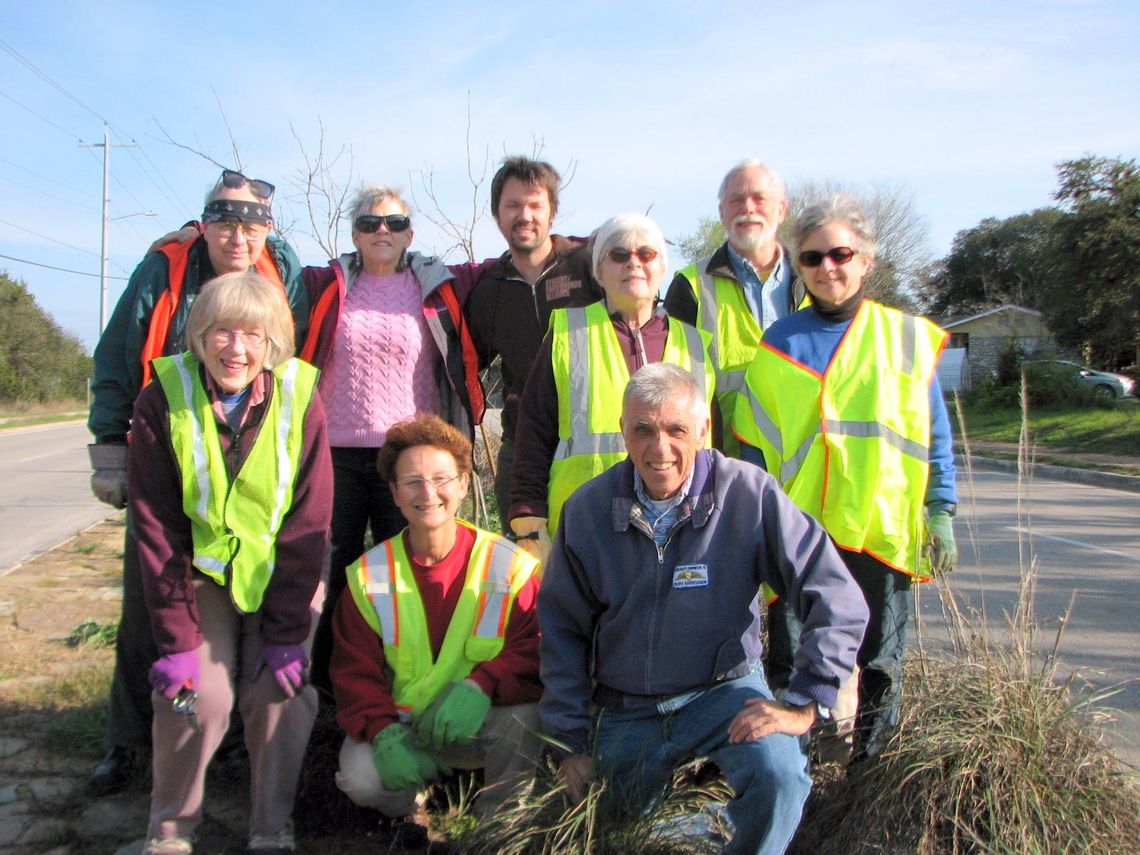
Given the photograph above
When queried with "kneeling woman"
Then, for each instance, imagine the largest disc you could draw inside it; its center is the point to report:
(435, 642)
(231, 497)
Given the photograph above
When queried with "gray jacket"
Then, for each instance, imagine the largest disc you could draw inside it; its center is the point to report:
(625, 623)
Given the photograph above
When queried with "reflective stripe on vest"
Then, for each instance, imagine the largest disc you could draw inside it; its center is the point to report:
(851, 447)
(384, 588)
(590, 374)
(234, 525)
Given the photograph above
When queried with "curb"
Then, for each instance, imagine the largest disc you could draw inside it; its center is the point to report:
(1092, 477)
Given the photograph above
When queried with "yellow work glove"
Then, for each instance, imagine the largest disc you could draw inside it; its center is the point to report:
(531, 534)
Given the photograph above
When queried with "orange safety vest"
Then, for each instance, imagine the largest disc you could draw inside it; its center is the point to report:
(178, 256)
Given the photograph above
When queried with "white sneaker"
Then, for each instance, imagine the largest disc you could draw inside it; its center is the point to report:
(169, 846)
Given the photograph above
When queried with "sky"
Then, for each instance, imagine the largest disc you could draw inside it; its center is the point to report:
(964, 107)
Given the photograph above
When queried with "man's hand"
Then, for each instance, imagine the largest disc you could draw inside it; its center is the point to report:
(456, 715)
(533, 537)
(184, 234)
(761, 717)
(576, 771)
(400, 762)
(109, 473)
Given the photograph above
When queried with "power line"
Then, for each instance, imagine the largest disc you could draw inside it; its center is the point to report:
(60, 269)
(38, 116)
(27, 63)
(49, 195)
(53, 240)
(46, 178)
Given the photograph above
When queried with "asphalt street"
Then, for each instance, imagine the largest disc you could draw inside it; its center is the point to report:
(45, 496)
(1084, 544)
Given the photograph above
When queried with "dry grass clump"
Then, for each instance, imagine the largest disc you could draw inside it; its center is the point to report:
(687, 822)
(990, 757)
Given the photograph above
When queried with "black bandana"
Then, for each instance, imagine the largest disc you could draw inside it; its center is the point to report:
(238, 211)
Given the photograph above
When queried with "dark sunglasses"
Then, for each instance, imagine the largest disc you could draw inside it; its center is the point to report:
(260, 189)
(369, 223)
(621, 254)
(838, 254)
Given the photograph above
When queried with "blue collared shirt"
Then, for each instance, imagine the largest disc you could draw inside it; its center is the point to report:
(767, 298)
(659, 516)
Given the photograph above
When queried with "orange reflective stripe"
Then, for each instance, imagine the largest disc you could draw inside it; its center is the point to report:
(467, 352)
(317, 321)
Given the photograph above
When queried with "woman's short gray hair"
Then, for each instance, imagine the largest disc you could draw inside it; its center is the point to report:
(371, 195)
(842, 209)
(616, 230)
(243, 300)
(659, 382)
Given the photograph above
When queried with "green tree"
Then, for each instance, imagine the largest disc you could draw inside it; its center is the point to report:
(997, 262)
(703, 242)
(38, 360)
(1093, 300)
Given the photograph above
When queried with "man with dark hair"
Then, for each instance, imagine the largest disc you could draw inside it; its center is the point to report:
(509, 309)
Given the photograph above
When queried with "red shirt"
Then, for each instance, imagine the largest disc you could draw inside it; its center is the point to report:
(362, 683)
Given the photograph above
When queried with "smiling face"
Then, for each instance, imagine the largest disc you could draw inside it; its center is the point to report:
(425, 505)
(631, 286)
(833, 284)
(235, 247)
(663, 443)
(234, 355)
(751, 211)
(524, 216)
(381, 251)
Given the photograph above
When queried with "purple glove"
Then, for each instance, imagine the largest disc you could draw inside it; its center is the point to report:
(288, 663)
(173, 671)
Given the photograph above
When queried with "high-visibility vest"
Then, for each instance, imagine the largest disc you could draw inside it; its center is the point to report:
(852, 447)
(723, 313)
(384, 588)
(235, 524)
(158, 326)
(591, 374)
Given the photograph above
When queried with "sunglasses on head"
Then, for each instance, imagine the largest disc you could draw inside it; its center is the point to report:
(621, 254)
(260, 189)
(838, 254)
(369, 223)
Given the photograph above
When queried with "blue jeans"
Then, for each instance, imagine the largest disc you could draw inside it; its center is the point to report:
(637, 750)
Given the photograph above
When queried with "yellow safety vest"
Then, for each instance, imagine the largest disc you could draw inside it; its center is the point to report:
(852, 447)
(385, 590)
(723, 313)
(591, 374)
(235, 525)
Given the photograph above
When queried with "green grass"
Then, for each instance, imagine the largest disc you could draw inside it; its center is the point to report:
(94, 633)
(1114, 430)
(17, 414)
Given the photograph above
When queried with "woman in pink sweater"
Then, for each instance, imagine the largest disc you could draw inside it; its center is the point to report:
(387, 332)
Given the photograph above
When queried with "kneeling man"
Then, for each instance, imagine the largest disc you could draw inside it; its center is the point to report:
(650, 621)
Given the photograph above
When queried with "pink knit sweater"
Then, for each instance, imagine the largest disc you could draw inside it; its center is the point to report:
(383, 362)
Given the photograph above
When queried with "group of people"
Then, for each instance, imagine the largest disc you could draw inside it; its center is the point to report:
(294, 474)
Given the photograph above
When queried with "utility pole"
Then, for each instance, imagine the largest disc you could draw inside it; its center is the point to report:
(106, 145)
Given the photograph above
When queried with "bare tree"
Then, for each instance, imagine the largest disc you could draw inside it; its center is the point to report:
(324, 190)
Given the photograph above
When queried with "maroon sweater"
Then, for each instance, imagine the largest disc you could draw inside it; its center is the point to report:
(537, 437)
(163, 529)
(361, 682)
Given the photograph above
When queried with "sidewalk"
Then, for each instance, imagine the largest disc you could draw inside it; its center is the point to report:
(1103, 470)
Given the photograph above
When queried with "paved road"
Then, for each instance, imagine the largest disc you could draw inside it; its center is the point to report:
(45, 496)
(1085, 539)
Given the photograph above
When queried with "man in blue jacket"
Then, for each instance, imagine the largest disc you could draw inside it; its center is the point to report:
(650, 652)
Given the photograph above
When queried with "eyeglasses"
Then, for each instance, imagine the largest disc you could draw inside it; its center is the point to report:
(250, 231)
(437, 482)
(260, 189)
(369, 223)
(838, 254)
(621, 254)
(222, 337)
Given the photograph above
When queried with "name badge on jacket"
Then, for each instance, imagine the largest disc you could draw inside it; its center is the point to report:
(691, 576)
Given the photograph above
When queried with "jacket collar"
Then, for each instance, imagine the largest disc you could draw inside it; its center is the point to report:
(696, 508)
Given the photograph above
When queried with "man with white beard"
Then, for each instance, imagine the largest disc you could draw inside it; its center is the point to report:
(743, 287)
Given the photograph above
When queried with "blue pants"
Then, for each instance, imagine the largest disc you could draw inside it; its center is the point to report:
(636, 751)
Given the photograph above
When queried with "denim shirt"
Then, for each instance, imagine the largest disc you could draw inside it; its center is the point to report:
(768, 304)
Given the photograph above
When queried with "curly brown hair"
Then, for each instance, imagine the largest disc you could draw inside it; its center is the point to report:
(424, 429)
